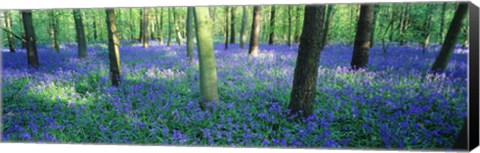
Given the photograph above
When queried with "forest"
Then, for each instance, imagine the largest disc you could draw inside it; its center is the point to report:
(383, 75)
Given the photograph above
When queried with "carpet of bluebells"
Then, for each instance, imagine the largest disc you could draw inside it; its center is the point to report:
(393, 104)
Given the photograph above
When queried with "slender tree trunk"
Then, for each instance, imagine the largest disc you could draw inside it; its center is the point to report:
(374, 22)
(145, 28)
(243, 31)
(54, 31)
(450, 40)
(272, 26)
(361, 48)
(327, 25)
(132, 37)
(206, 56)
(442, 21)
(160, 27)
(81, 42)
(232, 24)
(190, 34)
(426, 28)
(113, 45)
(226, 27)
(140, 36)
(170, 29)
(177, 28)
(465, 42)
(152, 19)
(296, 37)
(289, 39)
(306, 69)
(257, 14)
(8, 25)
(95, 36)
(31, 46)
(212, 15)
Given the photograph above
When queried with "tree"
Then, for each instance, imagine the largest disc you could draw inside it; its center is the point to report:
(450, 40)
(30, 38)
(296, 36)
(226, 28)
(8, 26)
(190, 33)
(81, 42)
(145, 28)
(361, 47)
(232, 24)
(53, 22)
(426, 28)
(272, 26)
(257, 14)
(160, 27)
(177, 28)
(374, 22)
(306, 69)
(113, 45)
(289, 38)
(326, 28)
(206, 56)
(243, 30)
(170, 29)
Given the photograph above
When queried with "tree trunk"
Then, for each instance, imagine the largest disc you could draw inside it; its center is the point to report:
(257, 14)
(95, 37)
(8, 25)
(145, 28)
(305, 76)
(450, 40)
(226, 27)
(132, 37)
(426, 28)
(361, 47)
(113, 45)
(160, 27)
(232, 25)
(81, 42)
(54, 31)
(243, 31)
(212, 15)
(467, 37)
(296, 37)
(442, 21)
(374, 22)
(152, 19)
(31, 39)
(327, 25)
(272, 26)
(190, 34)
(140, 36)
(177, 29)
(289, 39)
(170, 29)
(206, 56)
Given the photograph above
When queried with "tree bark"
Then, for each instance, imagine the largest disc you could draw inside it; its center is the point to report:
(206, 56)
(113, 47)
(361, 48)
(190, 35)
(8, 26)
(170, 29)
(226, 27)
(442, 21)
(145, 28)
(160, 27)
(374, 22)
(177, 29)
(296, 36)
(257, 14)
(272, 26)
(327, 25)
(132, 37)
(54, 31)
(289, 39)
(81, 42)
(302, 97)
(450, 40)
(232, 24)
(243, 31)
(30, 38)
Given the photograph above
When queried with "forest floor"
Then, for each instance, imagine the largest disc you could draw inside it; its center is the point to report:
(394, 104)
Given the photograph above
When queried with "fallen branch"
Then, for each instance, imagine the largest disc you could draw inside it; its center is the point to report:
(18, 37)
